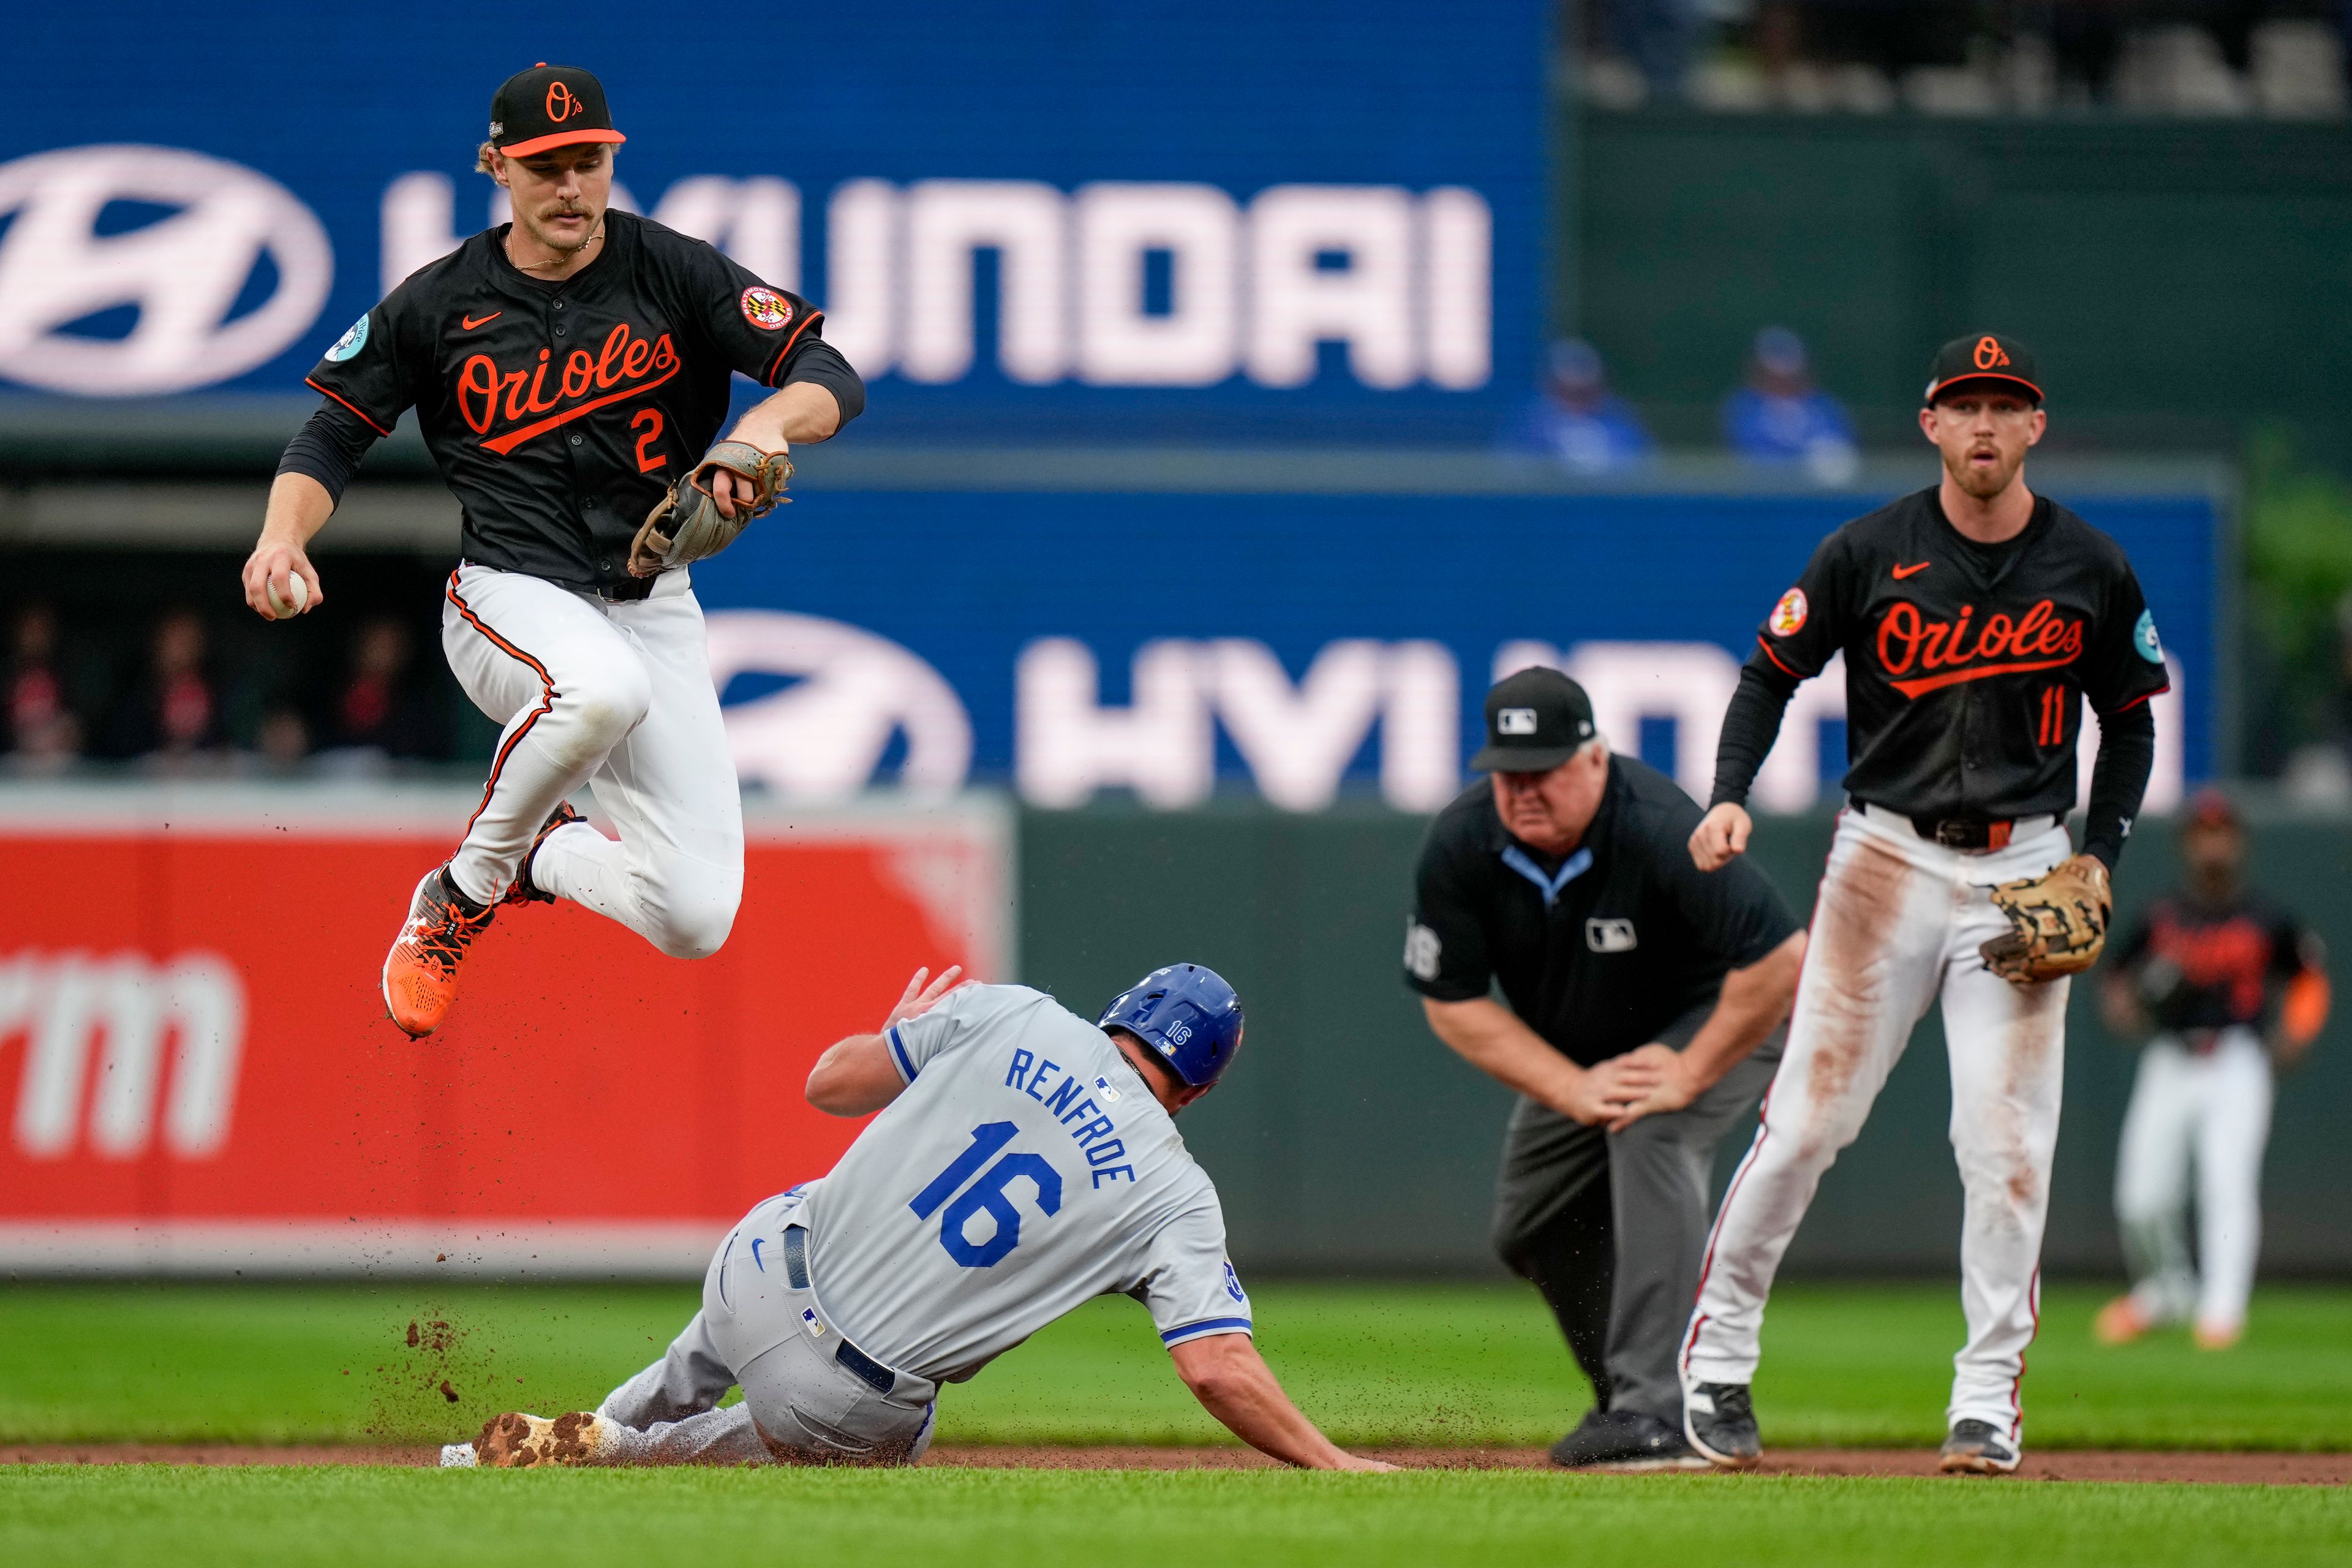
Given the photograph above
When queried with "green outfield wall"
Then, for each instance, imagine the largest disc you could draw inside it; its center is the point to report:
(1348, 1139)
(2178, 277)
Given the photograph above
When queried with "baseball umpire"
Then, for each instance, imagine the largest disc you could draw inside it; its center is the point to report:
(1024, 1162)
(1644, 1004)
(1975, 617)
(568, 371)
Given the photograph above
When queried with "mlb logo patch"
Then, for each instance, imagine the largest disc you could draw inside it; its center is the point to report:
(1611, 936)
(1103, 1088)
(808, 1320)
(1515, 721)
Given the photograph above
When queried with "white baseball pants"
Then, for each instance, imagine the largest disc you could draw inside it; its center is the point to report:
(2212, 1109)
(1896, 925)
(617, 696)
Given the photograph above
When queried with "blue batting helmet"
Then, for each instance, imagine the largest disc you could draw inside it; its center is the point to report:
(1187, 1014)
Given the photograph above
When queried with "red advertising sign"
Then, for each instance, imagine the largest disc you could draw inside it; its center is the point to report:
(199, 1074)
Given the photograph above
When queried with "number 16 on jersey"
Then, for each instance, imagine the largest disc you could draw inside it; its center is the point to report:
(987, 1194)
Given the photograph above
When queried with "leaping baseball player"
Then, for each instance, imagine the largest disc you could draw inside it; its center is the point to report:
(1976, 618)
(569, 370)
(1024, 1162)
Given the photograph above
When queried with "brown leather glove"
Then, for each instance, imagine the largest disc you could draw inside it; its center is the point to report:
(686, 525)
(2057, 921)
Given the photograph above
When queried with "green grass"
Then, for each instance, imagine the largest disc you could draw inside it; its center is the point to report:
(193, 1518)
(1374, 1363)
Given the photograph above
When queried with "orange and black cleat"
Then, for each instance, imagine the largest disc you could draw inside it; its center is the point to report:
(525, 891)
(420, 974)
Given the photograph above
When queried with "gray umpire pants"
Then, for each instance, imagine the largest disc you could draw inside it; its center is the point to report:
(1612, 1227)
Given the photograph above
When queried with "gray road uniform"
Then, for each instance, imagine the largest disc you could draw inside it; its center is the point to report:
(1024, 1170)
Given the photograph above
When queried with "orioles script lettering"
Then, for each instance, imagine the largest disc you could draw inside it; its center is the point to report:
(2039, 639)
(623, 367)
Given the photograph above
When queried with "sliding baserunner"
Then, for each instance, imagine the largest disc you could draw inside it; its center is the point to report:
(1024, 1163)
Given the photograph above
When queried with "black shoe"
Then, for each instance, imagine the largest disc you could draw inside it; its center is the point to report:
(525, 890)
(1977, 1448)
(1626, 1439)
(1721, 1424)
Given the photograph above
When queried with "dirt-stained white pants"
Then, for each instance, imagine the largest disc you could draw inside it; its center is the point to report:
(2212, 1109)
(1897, 925)
(618, 696)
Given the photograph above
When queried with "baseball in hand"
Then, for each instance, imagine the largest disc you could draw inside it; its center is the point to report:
(279, 609)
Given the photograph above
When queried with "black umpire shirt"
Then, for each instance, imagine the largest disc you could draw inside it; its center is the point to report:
(1598, 952)
(559, 412)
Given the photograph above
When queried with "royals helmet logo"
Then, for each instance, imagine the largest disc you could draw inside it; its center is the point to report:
(1789, 615)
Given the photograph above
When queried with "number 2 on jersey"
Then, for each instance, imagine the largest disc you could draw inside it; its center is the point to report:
(986, 1195)
(648, 420)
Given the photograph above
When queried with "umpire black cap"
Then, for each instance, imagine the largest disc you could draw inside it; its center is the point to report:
(550, 106)
(1536, 720)
(1988, 361)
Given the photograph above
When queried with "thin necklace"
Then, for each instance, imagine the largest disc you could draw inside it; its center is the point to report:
(559, 261)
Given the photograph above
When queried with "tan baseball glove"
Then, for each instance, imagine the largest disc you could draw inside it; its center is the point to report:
(686, 524)
(2057, 921)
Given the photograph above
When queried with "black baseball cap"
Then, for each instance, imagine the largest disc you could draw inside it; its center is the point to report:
(1986, 362)
(1536, 720)
(550, 106)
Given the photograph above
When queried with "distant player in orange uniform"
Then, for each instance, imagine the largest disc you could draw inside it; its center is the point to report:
(2229, 986)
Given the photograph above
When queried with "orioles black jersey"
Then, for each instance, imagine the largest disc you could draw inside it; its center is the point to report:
(2207, 966)
(559, 413)
(1966, 663)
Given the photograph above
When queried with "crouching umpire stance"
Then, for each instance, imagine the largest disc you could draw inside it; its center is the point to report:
(1645, 1004)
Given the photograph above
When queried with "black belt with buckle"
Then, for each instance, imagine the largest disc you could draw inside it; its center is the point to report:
(628, 592)
(855, 1361)
(1970, 832)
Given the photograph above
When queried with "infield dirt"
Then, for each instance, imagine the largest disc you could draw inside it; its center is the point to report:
(2079, 1464)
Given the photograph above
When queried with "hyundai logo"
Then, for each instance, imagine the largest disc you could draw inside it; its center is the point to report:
(185, 272)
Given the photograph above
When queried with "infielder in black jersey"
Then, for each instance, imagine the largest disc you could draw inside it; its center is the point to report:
(2222, 984)
(568, 370)
(1976, 618)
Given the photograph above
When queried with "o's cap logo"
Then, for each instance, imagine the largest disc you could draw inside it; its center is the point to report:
(1789, 615)
(2144, 639)
(766, 310)
(562, 106)
(1515, 721)
(1989, 354)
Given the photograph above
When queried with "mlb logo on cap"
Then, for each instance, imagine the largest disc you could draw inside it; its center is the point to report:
(1536, 720)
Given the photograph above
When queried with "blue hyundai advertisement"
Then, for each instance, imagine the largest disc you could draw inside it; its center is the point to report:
(1307, 647)
(1206, 220)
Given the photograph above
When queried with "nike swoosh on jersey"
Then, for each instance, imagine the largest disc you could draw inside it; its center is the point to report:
(1903, 571)
(470, 322)
(755, 1253)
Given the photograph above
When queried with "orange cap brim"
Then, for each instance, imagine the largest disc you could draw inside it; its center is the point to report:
(560, 139)
(1940, 388)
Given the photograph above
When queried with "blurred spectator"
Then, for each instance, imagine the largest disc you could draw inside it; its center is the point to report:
(283, 741)
(1781, 416)
(2283, 59)
(379, 709)
(41, 732)
(171, 715)
(1577, 420)
(1659, 37)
